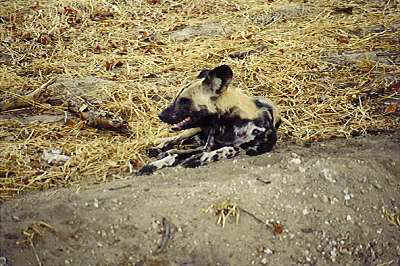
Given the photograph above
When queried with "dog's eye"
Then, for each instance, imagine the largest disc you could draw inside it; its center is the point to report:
(184, 101)
(256, 132)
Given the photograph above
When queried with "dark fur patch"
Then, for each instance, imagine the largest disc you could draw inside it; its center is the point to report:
(147, 170)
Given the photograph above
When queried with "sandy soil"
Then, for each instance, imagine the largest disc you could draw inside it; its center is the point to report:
(333, 201)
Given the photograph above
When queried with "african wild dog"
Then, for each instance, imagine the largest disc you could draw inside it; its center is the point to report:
(219, 120)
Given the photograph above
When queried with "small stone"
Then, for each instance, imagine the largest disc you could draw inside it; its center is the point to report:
(54, 156)
(264, 261)
(327, 175)
(96, 203)
(347, 197)
(295, 161)
(325, 199)
(348, 218)
(302, 169)
(333, 255)
(305, 211)
(334, 200)
(155, 225)
(268, 251)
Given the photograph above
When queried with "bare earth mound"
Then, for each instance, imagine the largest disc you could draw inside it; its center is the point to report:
(332, 203)
(68, 67)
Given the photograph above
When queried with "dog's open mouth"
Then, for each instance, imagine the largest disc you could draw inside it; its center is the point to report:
(182, 125)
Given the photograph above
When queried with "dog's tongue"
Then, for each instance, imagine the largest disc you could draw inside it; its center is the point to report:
(179, 125)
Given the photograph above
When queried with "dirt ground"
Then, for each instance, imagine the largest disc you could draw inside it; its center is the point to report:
(335, 202)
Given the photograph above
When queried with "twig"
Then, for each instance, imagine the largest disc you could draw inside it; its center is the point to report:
(36, 92)
(263, 181)
(256, 218)
(118, 188)
(36, 255)
(166, 236)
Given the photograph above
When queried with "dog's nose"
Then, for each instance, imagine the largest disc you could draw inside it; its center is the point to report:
(166, 116)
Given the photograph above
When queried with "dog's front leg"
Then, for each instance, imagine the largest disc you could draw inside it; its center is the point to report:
(210, 140)
(211, 156)
(166, 144)
(171, 158)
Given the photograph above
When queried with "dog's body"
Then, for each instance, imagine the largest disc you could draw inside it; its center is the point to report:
(219, 121)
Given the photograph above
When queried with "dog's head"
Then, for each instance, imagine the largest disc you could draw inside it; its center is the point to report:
(194, 105)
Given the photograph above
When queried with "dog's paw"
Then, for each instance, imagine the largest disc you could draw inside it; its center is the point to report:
(193, 161)
(153, 152)
(212, 156)
(146, 170)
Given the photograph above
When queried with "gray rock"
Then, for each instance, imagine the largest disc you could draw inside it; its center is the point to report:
(54, 156)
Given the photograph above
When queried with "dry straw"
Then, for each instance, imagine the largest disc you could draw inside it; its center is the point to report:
(332, 69)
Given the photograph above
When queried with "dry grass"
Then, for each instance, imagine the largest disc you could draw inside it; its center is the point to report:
(78, 38)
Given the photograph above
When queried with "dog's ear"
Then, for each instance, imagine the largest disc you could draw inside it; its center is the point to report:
(217, 79)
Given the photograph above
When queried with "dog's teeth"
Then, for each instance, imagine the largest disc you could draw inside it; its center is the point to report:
(178, 125)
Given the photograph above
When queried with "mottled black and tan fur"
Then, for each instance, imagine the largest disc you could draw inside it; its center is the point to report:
(218, 121)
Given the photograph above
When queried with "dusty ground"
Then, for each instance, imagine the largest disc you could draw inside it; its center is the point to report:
(331, 66)
(333, 199)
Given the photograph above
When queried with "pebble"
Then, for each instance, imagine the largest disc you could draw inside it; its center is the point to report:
(333, 254)
(295, 161)
(325, 199)
(327, 175)
(264, 261)
(334, 200)
(96, 203)
(268, 251)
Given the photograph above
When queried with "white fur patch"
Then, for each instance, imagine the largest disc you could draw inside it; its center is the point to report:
(224, 152)
(165, 162)
(246, 133)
